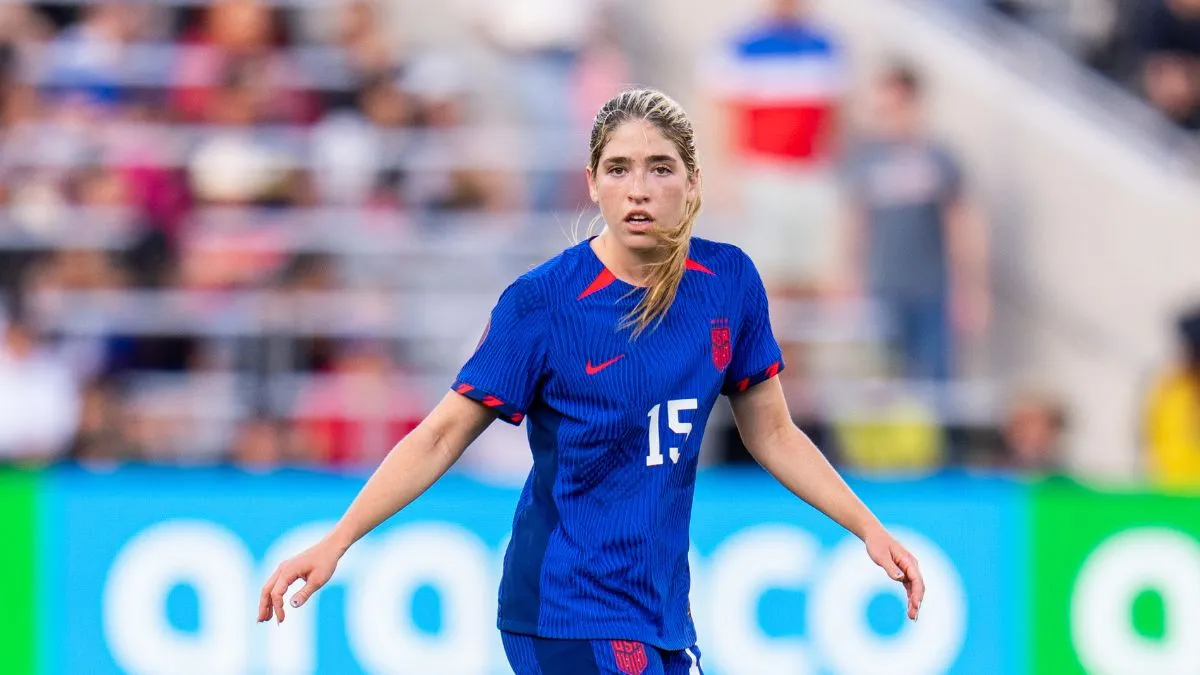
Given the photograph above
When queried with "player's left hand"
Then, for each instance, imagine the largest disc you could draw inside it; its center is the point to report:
(900, 565)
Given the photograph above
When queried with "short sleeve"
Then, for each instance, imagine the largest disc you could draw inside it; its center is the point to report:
(756, 355)
(506, 368)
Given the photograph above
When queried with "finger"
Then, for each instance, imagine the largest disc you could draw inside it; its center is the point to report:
(312, 585)
(915, 585)
(917, 594)
(913, 608)
(908, 564)
(264, 599)
(281, 586)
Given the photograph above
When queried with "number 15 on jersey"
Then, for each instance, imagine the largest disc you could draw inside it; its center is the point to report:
(676, 425)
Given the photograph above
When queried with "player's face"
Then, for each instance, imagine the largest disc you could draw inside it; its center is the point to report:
(641, 185)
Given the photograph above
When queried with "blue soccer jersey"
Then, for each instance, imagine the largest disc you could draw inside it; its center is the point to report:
(600, 540)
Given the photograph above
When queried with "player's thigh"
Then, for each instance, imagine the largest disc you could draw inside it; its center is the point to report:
(683, 662)
(529, 655)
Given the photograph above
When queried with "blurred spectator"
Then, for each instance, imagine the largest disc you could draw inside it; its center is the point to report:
(100, 439)
(453, 163)
(1098, 34)
(99, 189)
(75, 269)
(1033, 432)
(39, 398)
(23, 27)
(354, 416)
(916, 243)
(889, 430)
(351, 145)
(541, 42)
(235, 165)
(245, 36)
(36, 201)
(304, 277)
(1170, 44)
(264, 443)
(91, 53)
(603, 68)
(258, 445)
(779, 85)
(1173, 413)
(49, 283)
(158, 190)
(360, 34)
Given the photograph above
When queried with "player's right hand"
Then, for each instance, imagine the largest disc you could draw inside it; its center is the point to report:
(315, 566)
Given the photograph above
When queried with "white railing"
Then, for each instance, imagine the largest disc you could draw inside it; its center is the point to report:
(498, 148)
(429, 313)
(320, 229)
(158, 65)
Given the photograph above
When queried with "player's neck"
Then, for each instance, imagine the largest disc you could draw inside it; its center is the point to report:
(627, 265)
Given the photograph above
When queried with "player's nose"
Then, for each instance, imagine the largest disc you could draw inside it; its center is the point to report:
(638, 191)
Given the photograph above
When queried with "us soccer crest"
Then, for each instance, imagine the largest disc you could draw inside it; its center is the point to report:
(630, 656)
(722, 346)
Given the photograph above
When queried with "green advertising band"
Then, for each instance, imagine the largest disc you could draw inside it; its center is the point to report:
(1115, 581)
(18, 618)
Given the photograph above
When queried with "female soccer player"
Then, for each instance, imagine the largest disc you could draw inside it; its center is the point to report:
(615, 350)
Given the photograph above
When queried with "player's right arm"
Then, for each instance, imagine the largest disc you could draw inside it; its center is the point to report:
(416, 463)
(500, 379)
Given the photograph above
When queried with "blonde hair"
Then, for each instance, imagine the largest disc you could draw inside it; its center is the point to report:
(672, 122)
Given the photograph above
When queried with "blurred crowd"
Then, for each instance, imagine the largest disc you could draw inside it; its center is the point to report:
(213, 216)
(160, 163)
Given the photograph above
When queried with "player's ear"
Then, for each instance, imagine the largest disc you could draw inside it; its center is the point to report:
(693, 189)
(591, 181)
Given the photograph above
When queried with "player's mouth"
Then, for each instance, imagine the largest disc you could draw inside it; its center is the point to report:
(639, 221)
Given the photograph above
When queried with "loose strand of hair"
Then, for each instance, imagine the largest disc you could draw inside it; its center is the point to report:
(664, 277)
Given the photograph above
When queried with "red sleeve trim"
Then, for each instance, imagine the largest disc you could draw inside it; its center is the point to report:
(505, 411)
(756, 378)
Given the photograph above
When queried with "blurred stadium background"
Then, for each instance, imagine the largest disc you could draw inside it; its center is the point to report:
(244, 246)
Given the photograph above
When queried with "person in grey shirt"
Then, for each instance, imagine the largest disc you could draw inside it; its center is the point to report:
(915, 243)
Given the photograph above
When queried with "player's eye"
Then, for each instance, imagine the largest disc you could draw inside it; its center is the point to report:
(662, 170)
(616, 171)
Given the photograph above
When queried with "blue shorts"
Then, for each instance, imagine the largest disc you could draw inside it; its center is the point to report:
(529, 655)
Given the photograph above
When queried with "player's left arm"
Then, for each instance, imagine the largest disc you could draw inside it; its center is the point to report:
(767, 430)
